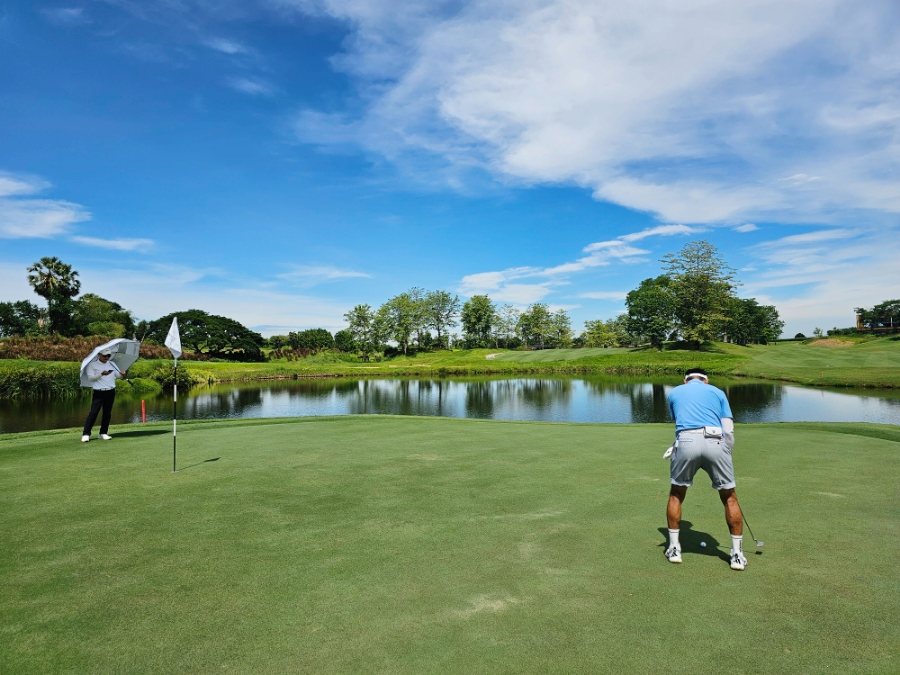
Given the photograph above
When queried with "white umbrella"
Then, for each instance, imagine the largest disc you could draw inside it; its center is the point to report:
(124, 353)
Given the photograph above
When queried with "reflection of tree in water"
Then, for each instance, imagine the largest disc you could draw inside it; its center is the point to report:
(320, 388)
(397, 397)
(750, 402)
(479, 399)
(544, 393)
(648, 403)
(221, 402)
(643, 401)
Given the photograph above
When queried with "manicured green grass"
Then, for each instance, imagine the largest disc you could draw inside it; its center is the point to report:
(417, 545)
(541, 355)
(874, 363)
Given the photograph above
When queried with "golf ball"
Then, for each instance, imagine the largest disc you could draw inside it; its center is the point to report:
(703, 544)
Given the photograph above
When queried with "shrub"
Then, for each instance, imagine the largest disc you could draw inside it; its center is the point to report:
(165, 376)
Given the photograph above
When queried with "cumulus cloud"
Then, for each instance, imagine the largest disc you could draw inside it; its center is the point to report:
(681, 109)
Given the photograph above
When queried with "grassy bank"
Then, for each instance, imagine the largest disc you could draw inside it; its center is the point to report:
(413, 545)
(832, 363)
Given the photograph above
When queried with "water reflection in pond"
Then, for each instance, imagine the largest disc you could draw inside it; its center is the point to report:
(557, 399)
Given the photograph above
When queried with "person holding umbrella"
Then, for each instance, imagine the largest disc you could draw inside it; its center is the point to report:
(102, 374)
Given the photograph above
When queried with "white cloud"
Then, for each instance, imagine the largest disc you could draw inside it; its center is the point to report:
(65, 15)
(604, 295)
(661, 230)
(698, 111)
(600, 254)
(817, 278)
(115, 244)
(252, 87)
(156, 290)
(13, 186)
(313, 274)
(38, 218)
(747, 227)
(226, 46)
(26, 218)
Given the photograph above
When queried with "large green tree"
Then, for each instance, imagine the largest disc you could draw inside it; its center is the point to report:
(94, 315)
(560, 329)
(367, 329)
(441, 310)
(609, 333)
(477, 316)
(210, 334)
(535, 325)
(703, 286)
(313, 338)
(21, 318)
(651, 310)
(749, 322)
(57, 283)
(401, 317)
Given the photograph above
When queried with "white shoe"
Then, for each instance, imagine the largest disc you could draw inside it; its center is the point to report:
(106, 437)
(738, 561)
(673, 554)
(85, 438)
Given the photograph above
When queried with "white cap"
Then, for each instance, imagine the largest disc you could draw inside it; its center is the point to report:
(106, 352)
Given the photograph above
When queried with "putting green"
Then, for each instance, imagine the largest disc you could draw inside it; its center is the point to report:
(422, 545)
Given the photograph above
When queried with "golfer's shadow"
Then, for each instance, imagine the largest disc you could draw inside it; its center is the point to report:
(690, 541)
(145, 432)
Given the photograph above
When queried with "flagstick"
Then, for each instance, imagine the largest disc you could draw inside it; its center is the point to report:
(175, 418)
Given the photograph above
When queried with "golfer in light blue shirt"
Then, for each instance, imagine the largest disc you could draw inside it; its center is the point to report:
(704, 438)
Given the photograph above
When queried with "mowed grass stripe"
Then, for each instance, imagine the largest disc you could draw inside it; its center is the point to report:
(411, 545)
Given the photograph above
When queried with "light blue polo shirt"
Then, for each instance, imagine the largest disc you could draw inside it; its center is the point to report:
(696, 404)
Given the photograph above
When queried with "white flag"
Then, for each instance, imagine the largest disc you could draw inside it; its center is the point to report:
(173, 339)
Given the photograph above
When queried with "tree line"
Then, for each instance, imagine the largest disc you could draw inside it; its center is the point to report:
(693, 301)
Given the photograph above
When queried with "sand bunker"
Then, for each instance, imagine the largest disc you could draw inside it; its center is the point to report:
(831, 342)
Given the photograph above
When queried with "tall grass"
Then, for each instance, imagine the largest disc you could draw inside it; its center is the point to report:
(57, 348)
(39, 380)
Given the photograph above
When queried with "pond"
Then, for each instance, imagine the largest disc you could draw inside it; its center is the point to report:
(551, 399)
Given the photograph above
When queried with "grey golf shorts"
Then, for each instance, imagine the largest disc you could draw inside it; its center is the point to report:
(695, 451)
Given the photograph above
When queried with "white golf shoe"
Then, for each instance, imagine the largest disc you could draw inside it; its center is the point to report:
(85, 438)
(738, 561)
(673, 554)
(106, 437)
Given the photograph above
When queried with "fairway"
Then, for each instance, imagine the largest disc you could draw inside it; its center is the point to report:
(376, 544)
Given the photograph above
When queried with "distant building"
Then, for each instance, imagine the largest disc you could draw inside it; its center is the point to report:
(886, 325)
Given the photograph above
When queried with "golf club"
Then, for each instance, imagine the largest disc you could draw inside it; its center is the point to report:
(759, 544)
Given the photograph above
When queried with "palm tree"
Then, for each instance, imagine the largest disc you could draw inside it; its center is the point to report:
(56, 281)
(52, 278)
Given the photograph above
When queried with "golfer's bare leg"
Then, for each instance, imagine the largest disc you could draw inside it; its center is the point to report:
(732, 511)
(673, 510)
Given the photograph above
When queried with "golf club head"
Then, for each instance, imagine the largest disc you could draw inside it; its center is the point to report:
(759, 544)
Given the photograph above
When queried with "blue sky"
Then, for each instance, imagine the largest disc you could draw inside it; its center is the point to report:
(279, 161)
